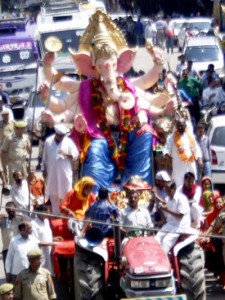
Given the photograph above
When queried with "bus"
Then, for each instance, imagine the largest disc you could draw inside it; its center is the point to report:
(18, 58)
(65, 22)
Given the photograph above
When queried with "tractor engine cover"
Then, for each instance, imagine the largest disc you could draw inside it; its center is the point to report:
(144, 256)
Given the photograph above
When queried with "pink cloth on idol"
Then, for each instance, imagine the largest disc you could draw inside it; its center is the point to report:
(87, 108)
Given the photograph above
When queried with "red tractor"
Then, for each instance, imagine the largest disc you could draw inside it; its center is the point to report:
(140, 268)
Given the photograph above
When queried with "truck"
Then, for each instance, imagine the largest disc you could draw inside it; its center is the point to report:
(63, 22)
(18, 58)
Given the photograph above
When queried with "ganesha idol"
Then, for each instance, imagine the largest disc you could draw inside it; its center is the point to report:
(111, 114)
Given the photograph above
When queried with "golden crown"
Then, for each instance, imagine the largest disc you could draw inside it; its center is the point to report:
(102, 36)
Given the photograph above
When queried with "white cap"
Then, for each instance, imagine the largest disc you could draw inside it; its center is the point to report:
(60, 129)
(163, 175)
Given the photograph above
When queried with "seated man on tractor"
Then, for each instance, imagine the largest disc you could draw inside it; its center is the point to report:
(101, 211)
(178, 218)
(133, 217)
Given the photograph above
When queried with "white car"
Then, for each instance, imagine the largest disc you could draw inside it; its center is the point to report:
(200, 25)
(216, 134)
(203, 51)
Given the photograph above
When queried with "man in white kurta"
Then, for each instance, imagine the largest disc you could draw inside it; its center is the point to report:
(181, 150)
(57, 165)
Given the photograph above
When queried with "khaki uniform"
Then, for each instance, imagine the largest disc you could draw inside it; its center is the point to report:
(16, 149)
(6, 130)
(34, 286)
(219, 223)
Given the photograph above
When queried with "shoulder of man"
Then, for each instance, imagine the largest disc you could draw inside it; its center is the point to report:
(44, 271)
(180, 196)
(15, 238)
(24, 272)
(10, 137)
(26, 137)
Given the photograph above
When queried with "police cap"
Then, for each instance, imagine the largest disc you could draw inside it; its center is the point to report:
(21, 124)
(34, 253)
(5, 288)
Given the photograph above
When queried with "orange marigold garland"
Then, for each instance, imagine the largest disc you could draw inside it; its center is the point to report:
(179, 145)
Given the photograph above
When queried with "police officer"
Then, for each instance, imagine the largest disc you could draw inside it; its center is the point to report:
(15, 150)
(6, 125)
(34, 282)
(6, 291)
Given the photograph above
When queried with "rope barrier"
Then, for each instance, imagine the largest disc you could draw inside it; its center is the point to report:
(113, 224)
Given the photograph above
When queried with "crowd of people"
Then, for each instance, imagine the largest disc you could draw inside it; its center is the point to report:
(175, 205)
(181, 199)
(161, 31)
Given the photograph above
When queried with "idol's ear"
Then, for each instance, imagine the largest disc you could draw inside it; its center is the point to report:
(83, 62)
(125, 61)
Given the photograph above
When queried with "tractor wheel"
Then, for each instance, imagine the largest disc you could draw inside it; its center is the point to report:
(192, 274)
(88, 277)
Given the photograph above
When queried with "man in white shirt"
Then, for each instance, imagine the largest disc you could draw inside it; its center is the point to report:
(19, 191)
(210, 94)
(181, 66)
(20, 245)
(160, 33)
(193, 193)
(178, 218)
(135, 216)
(9, 227)
(43, 233)
(57, 165)
(161, 179)
(150, 31)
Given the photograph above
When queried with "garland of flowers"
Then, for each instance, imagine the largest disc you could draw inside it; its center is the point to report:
(127, 123)
(179, 145)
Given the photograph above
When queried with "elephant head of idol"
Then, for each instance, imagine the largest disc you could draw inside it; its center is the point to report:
(101, 40)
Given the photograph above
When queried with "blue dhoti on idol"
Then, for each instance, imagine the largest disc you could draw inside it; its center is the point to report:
(100, 166)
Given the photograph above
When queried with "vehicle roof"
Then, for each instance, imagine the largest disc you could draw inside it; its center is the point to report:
(203, 40)
(200, 19)
(179, 20)
(218, 121)
(63, 6)
(70, 16)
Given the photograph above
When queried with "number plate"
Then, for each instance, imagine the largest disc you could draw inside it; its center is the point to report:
(178, 297)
